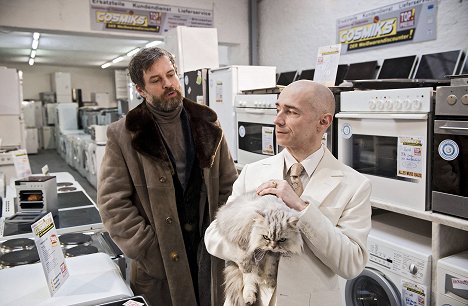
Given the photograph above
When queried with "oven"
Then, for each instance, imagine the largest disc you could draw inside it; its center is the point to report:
(386, 135)
(256, 137)
(450, 172)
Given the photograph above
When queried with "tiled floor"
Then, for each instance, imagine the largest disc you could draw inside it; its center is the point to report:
(56, 164)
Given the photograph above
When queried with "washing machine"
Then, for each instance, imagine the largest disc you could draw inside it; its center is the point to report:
(452, 280)
(399, 268)
(79, 158)
(70, 149)
(100, 150)
(63, 143)
(84, 166)
(91, 174)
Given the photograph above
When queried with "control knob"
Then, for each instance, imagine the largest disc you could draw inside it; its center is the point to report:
(398, 104)
(371, 104)
(388, 104)
(406, 104)
(417, 104)
(464, 99)
(413, 269)
(380, 104)
(452, 99)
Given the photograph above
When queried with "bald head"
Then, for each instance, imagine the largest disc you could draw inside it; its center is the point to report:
(317, 95)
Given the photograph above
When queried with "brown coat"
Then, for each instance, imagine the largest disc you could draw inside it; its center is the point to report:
(137, 201)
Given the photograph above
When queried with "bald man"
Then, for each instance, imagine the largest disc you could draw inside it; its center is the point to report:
(335, 216)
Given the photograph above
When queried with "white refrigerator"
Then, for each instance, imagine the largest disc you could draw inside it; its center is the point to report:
(11, 95)
(227, 82)
(193, 48)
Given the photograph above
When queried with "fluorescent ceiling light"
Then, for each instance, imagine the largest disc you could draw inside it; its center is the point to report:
(35, 43)
(31, 61)
(36, 36)
(134, 51)
(104, 66)
(153, 43)
(33, 53)
(118, 59)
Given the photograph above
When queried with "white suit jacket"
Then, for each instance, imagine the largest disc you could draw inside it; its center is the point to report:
(334, 228)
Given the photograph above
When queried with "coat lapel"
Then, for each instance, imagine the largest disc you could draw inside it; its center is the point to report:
(273, 168)
(147, 139)
(325, 179)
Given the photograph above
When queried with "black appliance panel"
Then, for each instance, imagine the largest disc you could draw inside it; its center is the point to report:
(399, 67)
(438, 65)
(286, 78)
(307, 74)
(361, 71)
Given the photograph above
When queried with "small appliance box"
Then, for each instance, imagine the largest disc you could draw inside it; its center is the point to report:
(33, 141)
(47, 97)
(61, 85)
(48, 137)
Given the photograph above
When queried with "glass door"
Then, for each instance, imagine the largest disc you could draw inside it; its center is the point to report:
(371, 288)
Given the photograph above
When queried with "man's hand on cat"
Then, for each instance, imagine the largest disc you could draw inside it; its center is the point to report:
(282, 190)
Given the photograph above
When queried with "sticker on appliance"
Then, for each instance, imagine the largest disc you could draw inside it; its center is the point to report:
(241, 131)
(448, 149)
(346, 131)
(219, 92)
(410, 156)
(267, 140)
(414, 294)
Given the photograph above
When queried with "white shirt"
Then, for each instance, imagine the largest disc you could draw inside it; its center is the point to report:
(310, 163)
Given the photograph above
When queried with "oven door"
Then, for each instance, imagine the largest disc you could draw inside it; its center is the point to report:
(391, 150)
(256, 137)
(450, 172)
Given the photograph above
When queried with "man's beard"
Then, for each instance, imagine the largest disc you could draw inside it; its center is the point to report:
(167, 105)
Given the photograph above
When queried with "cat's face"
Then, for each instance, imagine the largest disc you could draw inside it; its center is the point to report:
(276, 231)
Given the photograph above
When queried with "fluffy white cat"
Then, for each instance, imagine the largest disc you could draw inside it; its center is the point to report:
(264, 228)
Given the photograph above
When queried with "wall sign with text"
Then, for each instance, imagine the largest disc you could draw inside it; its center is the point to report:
(403, 22)
(134, 16)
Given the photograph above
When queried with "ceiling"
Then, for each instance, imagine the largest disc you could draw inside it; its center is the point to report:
(66, 49)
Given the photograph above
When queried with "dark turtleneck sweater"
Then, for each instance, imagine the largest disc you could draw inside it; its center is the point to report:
(170, 125)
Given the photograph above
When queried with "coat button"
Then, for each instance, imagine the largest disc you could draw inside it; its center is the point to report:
(174, 256)
(188, 227)
(162, 179)
(169, 220)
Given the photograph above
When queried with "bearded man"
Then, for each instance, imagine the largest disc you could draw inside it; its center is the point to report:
(166, 170)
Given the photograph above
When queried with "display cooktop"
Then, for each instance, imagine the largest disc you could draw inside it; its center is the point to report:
(20, 251)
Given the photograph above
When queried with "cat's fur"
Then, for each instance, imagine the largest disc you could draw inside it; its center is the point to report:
(264, 228)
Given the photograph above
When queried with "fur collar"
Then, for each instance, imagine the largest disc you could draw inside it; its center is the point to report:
(147, 139)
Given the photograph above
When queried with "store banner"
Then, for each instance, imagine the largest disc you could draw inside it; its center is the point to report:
(131, 16)
(399, 23)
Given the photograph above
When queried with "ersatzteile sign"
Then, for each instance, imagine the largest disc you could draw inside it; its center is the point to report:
(131, 16)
